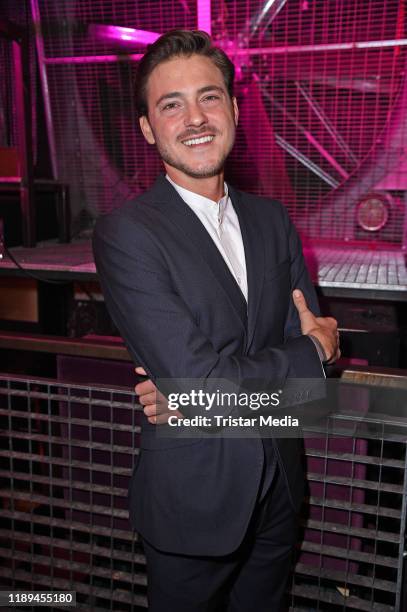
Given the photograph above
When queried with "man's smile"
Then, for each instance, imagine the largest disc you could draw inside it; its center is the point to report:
(197, 141)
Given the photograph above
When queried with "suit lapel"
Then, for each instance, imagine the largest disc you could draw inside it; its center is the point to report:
(165, 197)
(255, 257)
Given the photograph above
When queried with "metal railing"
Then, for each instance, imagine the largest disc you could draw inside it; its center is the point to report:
(66, 455)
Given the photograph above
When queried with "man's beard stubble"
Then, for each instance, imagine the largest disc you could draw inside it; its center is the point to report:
(206, 172)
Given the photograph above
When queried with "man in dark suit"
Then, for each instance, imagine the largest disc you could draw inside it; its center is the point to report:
(199, 279)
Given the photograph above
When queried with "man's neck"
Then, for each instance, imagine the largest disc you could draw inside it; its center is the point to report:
(211, 188)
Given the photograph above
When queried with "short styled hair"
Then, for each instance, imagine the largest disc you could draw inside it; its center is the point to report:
(177, 43)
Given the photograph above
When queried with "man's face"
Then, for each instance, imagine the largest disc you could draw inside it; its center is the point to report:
(191, 118)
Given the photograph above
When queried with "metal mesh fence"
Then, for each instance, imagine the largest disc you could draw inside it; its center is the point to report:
(66, 456)
(352, 553)
(321, 88)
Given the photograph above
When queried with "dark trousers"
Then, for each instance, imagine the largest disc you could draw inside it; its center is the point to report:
(253, 578)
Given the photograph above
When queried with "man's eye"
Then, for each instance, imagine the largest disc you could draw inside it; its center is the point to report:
(170, 106)
(211, 98)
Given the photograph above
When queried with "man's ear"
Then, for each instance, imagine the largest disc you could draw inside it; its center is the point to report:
(146, 129)
(235, 110)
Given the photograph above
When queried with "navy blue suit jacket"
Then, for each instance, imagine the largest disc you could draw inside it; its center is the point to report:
(182, 315)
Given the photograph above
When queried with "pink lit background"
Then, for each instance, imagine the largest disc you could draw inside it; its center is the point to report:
(321, 86)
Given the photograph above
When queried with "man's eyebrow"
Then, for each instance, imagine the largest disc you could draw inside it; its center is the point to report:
(211, 88)
(173, 94)
(178, 94)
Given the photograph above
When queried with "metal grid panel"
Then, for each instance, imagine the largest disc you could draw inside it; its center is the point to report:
(352, 552)
(321, 86)
(65, 459)
(66, 456)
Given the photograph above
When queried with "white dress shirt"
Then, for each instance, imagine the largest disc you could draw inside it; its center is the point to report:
(221, 222)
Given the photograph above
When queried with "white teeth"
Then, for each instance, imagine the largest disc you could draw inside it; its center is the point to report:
(195, 141)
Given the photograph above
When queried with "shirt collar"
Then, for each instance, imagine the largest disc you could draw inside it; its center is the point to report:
(199, 202)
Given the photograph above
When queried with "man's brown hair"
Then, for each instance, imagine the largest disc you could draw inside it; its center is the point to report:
(179, 43)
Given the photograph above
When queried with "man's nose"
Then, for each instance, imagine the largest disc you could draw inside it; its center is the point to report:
(194, 115)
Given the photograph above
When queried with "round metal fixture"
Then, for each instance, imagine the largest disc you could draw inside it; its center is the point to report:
(373, 211)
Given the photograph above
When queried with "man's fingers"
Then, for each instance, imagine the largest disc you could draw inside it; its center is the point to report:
(329, 322)
(150, 410)
(148, 398)
(299, 301)
(324, 329)
(160, 408)
(307, 319)
(334, 358)
(155, 410)
(147, 386)
(155, 403)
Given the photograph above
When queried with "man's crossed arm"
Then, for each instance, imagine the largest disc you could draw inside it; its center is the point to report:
(323, 329)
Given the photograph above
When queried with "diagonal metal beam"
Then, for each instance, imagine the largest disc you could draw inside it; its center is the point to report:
(267, 13)
(310, 138)
(305, 161)
(326, 122)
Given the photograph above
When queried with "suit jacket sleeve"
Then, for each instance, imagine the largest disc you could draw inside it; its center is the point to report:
(160, 331)
(300, 279)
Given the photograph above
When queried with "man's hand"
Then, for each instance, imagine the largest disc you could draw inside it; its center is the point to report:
(155, 403)
(324, 329)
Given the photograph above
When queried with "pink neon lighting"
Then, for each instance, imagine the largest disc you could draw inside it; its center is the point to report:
(93, 59)
(121, 34)
(204, 16)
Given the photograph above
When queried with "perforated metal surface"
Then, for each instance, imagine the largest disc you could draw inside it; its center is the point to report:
(359, 269)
